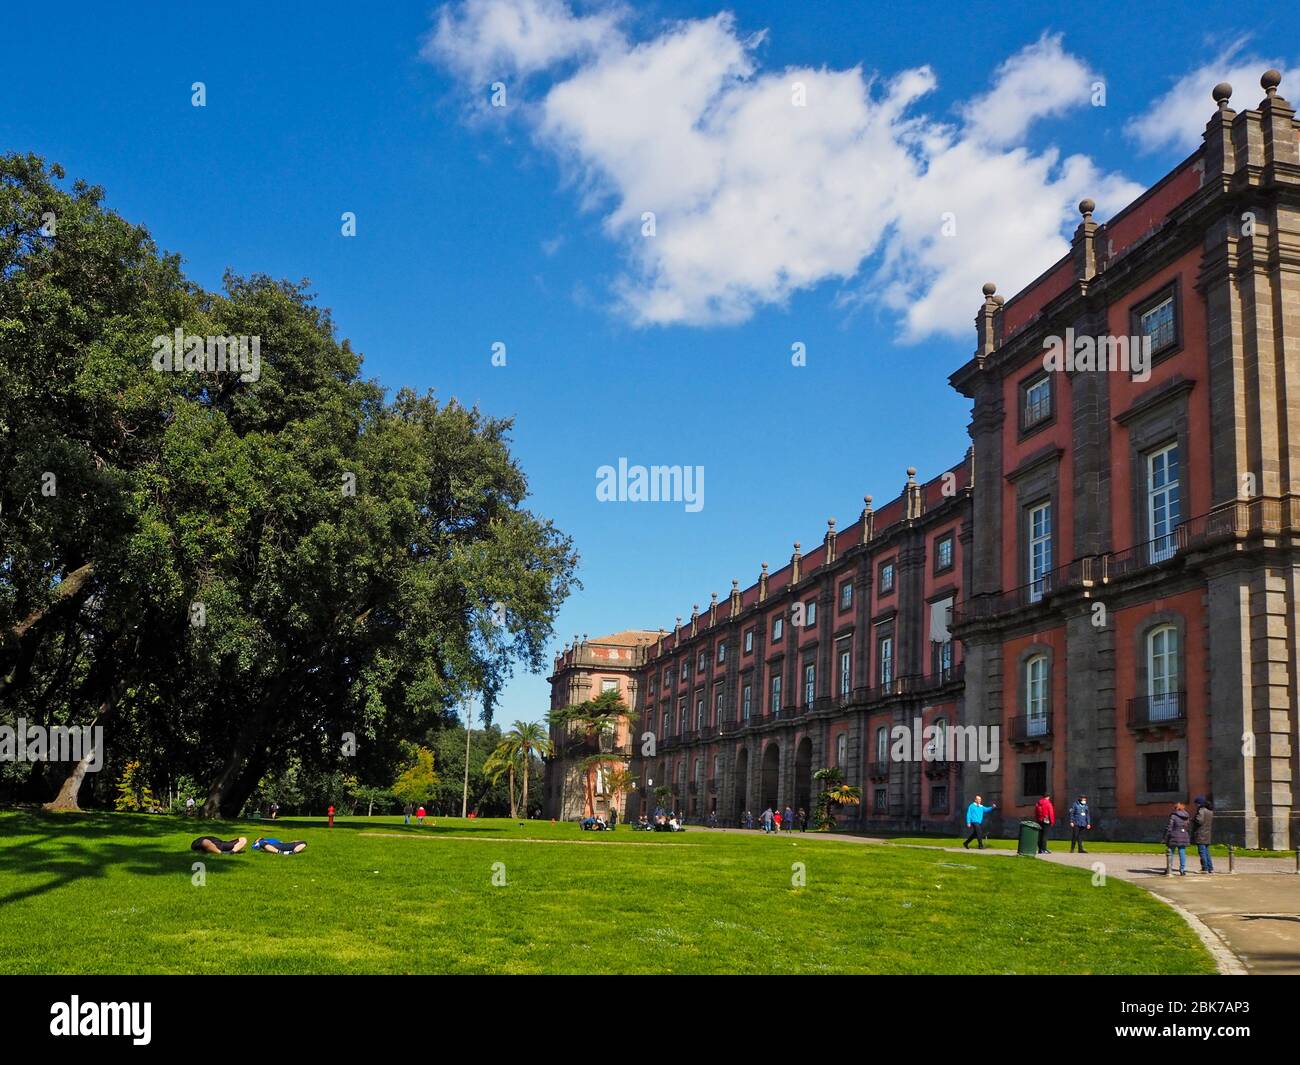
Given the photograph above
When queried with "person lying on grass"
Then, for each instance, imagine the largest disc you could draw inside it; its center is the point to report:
(213, 845)
(278, 846)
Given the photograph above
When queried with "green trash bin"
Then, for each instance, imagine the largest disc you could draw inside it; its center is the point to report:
(1028, 844)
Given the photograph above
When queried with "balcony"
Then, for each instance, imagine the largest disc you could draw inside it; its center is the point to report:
(1158, 711)
(729, 727)
(878, 770)
(1031, 728)
(708, 732)
(1243, 520)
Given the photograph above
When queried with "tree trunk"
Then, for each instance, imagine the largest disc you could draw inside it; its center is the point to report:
(523, 801)
(513, 812)
(66, 800)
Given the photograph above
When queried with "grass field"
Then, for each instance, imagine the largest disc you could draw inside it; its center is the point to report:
(101, 893)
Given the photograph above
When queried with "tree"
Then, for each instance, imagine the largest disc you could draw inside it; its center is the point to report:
(531, 741)
(501, 763)
(591, 730)
(835, 794)
(418, 781)
(232, 565)
(133, 792)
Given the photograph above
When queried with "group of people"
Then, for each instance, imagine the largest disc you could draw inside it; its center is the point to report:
(217, 845)
(596, 823)
(1183, 829)
(776, 821)
(663, 821)
(409, 811)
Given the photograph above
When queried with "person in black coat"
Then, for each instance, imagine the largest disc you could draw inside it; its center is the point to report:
(1203, 832)
(1177, 837)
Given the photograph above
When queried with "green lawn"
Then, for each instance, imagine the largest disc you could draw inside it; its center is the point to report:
(114, 893)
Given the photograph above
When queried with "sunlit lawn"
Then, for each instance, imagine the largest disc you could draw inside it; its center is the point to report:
(116, 894)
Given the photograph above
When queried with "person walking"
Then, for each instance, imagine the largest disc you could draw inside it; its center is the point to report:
(419, 815)
(766, 818)
(788, 820)
(803, 819)
(613, 818)
(749, 819)
(776, 820)
(1045, 815)
(975, 821)
(1203, 828)
(406, 811)
(331, 811)
(1080, 822)
(1177, 838)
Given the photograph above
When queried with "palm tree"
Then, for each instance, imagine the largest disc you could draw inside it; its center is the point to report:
(529, 738)
(836, 794)
(501, 762)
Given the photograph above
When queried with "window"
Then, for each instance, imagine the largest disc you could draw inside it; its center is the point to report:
(778, 630)
(699, 713)
(939, 799)
(746, 698)
(1162, 673)
(846, 595)
(882, 745)
(886, 661)
(1040, 551)
(1038, 402)
(717, 708)
(943, 553)
(1158, 323)
(935, 748)
(749, 641)
(608, 684)
(1162, 771)
(882, 800)
(774, 706)
(886, 577)
(668, 722)
(1036, 696)
(668, 678)
(841, 749)
(846, 671)
(809, 684)
(652, 684)
(722, 652)
(681, 715)
(810, 613)
(700, 666)
(1164, 502)
(945, 659)
(1033, 778)
(686, 670)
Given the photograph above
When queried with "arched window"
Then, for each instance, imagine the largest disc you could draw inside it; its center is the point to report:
(841, 749)
(936, 748)
(1162, 672)
(1036, 696)
(882, 745)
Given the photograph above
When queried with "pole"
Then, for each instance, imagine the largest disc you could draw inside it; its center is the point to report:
(469, 718)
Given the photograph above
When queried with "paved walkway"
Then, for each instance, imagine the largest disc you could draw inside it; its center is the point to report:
(1249, 919)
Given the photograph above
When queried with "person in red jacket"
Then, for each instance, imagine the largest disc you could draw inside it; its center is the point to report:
(1045, 815)
(331, 815)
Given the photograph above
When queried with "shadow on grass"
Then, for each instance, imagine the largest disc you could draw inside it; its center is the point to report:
(72, 847)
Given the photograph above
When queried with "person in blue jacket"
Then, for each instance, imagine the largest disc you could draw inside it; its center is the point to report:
(1080, 822)
(975, 821)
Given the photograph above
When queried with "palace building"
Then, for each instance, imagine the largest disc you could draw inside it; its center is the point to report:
(1108, 582)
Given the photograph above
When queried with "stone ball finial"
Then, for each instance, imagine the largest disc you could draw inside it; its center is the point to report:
(999, 300)
(867, 500)
(1270, 80)
(911, 472)
(1222, 93)
(989, 288)
(796, 545)
(764, 567)
(735, 583)
(1086, 207)
(830, 522)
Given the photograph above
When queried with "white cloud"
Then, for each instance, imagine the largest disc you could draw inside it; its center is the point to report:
(756, 199)
(1040, 81)
(1176, 120)
(485, 40)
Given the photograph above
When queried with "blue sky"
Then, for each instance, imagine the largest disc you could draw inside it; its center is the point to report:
(477, 225)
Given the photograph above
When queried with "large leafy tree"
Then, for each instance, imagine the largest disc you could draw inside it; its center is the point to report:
(589, 732)
(222, 568)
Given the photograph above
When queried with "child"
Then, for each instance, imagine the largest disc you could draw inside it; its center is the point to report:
(776, 820)
(419, 815)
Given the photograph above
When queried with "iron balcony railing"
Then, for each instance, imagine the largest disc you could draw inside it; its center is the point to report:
(1240, 520)
(1030, 727)
(1156, 711)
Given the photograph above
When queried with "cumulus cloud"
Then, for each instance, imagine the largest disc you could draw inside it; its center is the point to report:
(767, 182)
(1176, 120)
